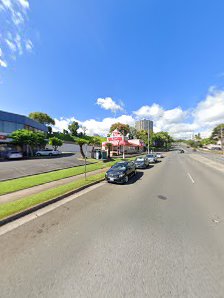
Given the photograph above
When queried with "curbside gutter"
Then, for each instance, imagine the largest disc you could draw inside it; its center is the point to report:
(44, 204)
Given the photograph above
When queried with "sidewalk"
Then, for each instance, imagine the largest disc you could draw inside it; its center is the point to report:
(36, 189)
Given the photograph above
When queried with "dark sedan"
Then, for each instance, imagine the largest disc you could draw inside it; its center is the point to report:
(141, 162)
(121, 172)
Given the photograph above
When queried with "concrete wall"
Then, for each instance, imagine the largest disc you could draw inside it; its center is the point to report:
(73, 148)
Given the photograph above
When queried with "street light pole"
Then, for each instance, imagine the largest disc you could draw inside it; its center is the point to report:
(123, 146)
(85, 160)
(148, 136)
(222, 138)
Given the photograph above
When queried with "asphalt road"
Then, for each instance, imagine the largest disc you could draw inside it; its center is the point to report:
(159, 236)
(10, 169)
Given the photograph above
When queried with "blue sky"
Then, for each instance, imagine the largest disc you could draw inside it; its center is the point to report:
(158, 59)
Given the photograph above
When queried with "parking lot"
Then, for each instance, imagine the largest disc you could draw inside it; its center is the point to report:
(19, 168)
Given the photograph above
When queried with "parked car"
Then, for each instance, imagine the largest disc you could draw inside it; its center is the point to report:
(47, 152)
(159, 155)
(120, 172)
(152, 158)
(141, 162)
(14, 155)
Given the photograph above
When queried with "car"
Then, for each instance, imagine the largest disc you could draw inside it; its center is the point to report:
(14, 155)
(47, 152)
(152, 158)
(141, 162)
(159, 155)
(120, 172)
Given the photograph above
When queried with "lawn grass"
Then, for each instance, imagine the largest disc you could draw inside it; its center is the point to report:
(13, 185)
(14, 207)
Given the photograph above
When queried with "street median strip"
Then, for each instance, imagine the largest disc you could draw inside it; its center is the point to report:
(34, 202)
(14, 185)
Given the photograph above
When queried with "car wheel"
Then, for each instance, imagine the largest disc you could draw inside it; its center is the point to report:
(126, 179)
(50, 154)
(38, 154)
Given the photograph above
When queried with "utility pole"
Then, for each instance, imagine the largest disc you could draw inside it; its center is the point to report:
(222, 138)
(148, 136)
(85, 159)
(123, 145)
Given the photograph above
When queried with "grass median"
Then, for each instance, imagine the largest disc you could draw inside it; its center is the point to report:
(17, 184)
(13, 185)
(11, 208)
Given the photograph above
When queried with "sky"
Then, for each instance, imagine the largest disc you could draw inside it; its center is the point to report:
(100, 62)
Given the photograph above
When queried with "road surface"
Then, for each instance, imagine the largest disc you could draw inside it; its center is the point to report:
(159, 236)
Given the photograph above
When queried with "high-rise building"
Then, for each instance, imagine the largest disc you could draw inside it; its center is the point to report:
(144, 125)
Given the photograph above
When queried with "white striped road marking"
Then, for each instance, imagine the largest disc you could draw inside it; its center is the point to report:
(189, 175)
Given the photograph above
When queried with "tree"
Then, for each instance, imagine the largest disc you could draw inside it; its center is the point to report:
(162, 139)
(82, 141)
(28, 138)
(109, 147)
(65, 132)
(132, 133)
(73, 127)
(55, 142)
(143, 135)
(94, 141)
(122, 128)
(42, 118)
(217, 132)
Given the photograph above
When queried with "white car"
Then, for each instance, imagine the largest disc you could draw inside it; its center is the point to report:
(159, 155)
(47, 152)
(14, 155)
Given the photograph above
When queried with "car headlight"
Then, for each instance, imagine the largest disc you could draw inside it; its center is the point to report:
(106, 174)
(121, 175)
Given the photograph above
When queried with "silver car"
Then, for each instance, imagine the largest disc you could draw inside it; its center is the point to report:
(14, 155)
(152, 158)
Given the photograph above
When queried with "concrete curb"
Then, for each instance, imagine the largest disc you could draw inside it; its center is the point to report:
(42, 205)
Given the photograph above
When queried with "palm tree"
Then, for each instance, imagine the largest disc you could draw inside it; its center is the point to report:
(81, 141)
(109, 147)
(94, 141)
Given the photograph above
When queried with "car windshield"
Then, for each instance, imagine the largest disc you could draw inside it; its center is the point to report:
(150, 155)
(140, 159)
(119, 167)
(14, 152)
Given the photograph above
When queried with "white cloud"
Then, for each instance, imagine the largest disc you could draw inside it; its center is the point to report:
(93, 126)
(109, 104)
(29, 45)
(18, 42)
(153, 111)
(3, 63)
(24, 3)
(13, 37)
(11, 45)
(210, 110)
(178, 122)
(62, 123)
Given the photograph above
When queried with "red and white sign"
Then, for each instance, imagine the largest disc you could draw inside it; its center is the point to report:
(3, 137)
(110, 139)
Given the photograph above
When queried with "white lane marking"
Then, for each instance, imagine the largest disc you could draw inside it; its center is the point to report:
(189, 175)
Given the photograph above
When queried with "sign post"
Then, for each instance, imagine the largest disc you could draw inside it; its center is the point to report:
(85, 159)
